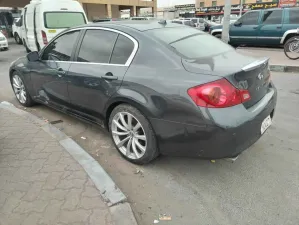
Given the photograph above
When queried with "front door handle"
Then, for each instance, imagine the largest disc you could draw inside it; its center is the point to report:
(255, 28)
(109, 76)
(278, 27)
(60, 72)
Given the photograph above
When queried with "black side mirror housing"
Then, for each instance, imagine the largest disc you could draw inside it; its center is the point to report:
(33, 56)
(237, 23)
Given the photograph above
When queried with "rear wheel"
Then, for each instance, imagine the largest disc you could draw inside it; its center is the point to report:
(218, 36)
(132, 135)
(26, 47)
(18, 39)
(20, 90)
(291, 48)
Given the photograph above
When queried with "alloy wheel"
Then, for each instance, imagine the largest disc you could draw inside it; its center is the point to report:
(19, 89)
(128, 135)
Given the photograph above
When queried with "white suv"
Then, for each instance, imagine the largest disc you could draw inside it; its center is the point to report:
(16, 30)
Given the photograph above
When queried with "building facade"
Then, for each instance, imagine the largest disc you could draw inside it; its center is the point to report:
(95, 9)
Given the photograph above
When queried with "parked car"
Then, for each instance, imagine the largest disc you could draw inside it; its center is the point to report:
(152, 89)
(16, 30)
(271, 27)
(199, 22)
(209, 24)
(3, 42)
(43, 20)
(184, 22)
(99, 20)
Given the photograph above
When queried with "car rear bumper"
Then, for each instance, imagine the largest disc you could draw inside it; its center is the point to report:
(232, 131)
(3, 44)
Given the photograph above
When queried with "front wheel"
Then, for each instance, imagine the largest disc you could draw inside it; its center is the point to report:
(133, 135)
(18, 39)
(291, 48)
(218, 36)
(20, 90)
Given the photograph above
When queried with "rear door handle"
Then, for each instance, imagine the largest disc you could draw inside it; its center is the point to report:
(278, 27)
(109, 76)
(60, 72)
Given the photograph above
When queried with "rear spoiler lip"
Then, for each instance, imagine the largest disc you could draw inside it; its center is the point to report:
(255, 64)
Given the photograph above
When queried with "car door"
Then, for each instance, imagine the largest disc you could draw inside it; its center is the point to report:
(49, 74)
(245, 29)
(102, 61)
(270, 30)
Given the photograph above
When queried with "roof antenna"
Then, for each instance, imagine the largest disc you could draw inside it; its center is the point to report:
(163, 22)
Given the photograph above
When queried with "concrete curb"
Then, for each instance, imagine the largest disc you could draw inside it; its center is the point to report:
(120, 209)
(284, 68)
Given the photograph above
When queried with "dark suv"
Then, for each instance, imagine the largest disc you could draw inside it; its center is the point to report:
(263, 27)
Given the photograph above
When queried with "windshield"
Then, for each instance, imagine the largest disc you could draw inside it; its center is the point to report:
(191, 43)
(59, 20)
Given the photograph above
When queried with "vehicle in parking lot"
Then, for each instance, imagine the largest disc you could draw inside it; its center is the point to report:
(209, 24)
(184, 22)
(16, 30)
(3, 42)
(270, 27)
(152, 89)
(99, 20)
(44, 19)
(199, 22)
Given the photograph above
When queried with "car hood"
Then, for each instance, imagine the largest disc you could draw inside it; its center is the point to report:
(218, 65)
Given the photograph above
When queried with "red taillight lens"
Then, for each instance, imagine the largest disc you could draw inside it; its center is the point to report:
(44, 36)
(218, 94)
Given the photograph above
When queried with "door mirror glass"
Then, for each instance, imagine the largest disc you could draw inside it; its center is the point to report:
(33, 56)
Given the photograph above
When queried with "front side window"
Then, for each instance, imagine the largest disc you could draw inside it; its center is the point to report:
(97, 46)
(61, 48)
(294, 16)
(250, 18)
(60, 20)
(122, 50)
(272, 17)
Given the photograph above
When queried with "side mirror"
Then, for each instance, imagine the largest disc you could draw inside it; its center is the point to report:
(237, 23)
(33, 56)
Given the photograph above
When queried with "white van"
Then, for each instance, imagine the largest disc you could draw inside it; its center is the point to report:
(44, 19)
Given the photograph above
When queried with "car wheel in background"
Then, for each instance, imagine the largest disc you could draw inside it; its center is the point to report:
(132, 134)
(25, 45)
(18, 39)
(291, 48)
(20, 90)
(218, 36)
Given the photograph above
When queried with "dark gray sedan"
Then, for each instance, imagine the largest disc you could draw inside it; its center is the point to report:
(158, 87)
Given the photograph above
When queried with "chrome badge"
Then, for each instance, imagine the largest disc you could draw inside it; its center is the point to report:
(260, 76)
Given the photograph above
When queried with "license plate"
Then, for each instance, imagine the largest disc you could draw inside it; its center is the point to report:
(266, 124)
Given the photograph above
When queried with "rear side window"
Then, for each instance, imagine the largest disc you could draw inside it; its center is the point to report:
(60, 20)
(182, 41)
(250, 18)
(294, 16)
(122, 50)
(61, 49)
(97, 46)
(272, 17)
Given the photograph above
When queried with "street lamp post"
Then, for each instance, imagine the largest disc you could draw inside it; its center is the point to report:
(241, 7)
(226, 21)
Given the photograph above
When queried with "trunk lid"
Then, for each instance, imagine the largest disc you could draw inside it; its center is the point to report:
(243, 72)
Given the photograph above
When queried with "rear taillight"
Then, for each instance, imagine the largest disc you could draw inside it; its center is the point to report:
(218, 94)
(44, 36)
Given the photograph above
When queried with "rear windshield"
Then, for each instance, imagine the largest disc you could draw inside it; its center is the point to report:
(57, 20)
(190, 43)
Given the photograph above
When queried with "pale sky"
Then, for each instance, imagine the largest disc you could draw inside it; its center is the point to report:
(163, 3)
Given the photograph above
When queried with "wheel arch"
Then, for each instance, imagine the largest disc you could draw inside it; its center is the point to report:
(112, 104)
(288, 34)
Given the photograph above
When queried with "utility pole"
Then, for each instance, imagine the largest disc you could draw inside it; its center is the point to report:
(226, 21)
(241, 7)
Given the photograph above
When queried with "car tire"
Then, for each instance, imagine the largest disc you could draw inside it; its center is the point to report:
(5, 49)
(18, 39)
(218, 36)
(21, 90)
(286, 44)
(141, 143)
(25, 45)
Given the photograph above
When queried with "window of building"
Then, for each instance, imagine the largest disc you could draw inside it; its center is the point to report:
(202, 4)
(97, 46)
(61, 49)
(214, 3)
(122, 50)
(272, 17)
(250, 18)
(294, 16)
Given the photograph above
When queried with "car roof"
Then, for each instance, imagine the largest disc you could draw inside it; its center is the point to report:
(140, 25)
